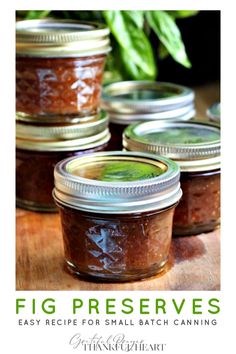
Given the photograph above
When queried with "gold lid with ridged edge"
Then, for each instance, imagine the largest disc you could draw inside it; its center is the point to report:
(133, 97)
(152, 193)
(61, 38)
(86, 143)
(55, 119)
(62, 131)
(182, 114)
(194, 144)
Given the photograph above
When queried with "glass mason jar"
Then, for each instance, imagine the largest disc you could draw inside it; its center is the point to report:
(59, 67)
(130, 102)
(116, 212)
(38, 149)
(195, 146)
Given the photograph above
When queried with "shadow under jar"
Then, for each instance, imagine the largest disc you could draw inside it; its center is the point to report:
(129, 102)
(116, 212)
(195, 146)
(40, 147)
(59, 67)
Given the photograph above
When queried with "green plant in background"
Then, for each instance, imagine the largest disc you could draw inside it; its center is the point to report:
(133, 56)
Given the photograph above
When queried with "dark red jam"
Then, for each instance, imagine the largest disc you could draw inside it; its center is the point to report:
(116, 247)
(58, 86)
(199, 208)
(34, 176)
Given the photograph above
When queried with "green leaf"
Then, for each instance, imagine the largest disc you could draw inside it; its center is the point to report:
(183, 13)
(136, 16)
(168, 33)
(132, 40)
(130, 69)
(34, 14)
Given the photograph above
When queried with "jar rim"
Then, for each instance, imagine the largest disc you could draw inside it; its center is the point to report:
(61, 38)
(79, 144)
(181, 113)
(51, 119)
(30, 131)
(187, 151)
(145, 96)
(117, 196)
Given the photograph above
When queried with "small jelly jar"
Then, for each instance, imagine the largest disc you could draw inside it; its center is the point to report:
(129, 102)
(38, 149)
(59, 67)
(116, 212)
(195, 146)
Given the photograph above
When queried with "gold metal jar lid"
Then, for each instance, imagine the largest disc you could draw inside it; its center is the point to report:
(66, 137)
(195, 144)
(61, 38)
(65, 145)
(55, 119)
(117, 182)
(145, 97)
(178, 114)
(62, 131)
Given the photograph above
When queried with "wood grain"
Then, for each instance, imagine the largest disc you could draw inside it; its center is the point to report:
(194, 262)
(193, 265)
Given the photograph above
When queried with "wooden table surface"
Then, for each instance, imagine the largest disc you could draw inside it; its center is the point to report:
(194, 262)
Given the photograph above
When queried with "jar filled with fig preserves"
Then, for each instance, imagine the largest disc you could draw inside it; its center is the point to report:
(195, 146)
(38, 149)
(59, 67)
(130, 102)
(116, 212)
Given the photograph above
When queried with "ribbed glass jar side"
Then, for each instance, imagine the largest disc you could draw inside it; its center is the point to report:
(116, 247)
(59, 86)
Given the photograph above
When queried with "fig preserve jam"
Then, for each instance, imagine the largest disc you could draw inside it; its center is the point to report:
(197, 213)
(116, 212)
(40, 147)
(59, 67)
(195, 146)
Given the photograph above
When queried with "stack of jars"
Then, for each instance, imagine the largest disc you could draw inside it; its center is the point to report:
(59, 69)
